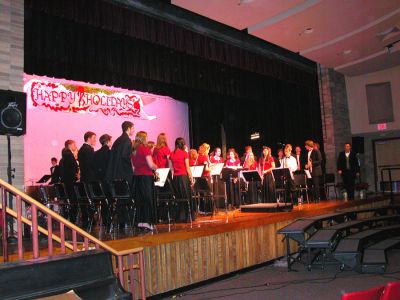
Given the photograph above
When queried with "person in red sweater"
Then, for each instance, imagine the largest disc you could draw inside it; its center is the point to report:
(143, 167)
(182, 179)
(161, 151)
(216, 157)
(266, 165)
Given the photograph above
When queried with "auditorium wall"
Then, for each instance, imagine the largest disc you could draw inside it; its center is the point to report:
(11, 77)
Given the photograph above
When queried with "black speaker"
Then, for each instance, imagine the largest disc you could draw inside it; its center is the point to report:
(358, 144)
(12, 113)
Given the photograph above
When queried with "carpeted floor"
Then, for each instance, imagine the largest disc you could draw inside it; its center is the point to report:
(273, 282)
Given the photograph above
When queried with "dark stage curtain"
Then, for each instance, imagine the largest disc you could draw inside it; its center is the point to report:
(98, 42)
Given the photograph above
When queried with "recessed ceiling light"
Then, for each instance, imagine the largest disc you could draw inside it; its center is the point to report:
(346, 52)
(308, 30)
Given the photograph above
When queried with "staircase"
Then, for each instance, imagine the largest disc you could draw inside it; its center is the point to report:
(68, 240)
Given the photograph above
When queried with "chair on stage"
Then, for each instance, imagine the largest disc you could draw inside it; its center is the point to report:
(329, 182)
(164, 199)
(370, 294)
(85, 205)
(283, 185)
(300, 186)
(203, 193)
(98, 196)
(122, 198)
(62, 199)
(392, 291)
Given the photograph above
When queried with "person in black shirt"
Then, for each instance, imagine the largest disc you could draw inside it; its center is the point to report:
(102, 156)
(86, 157)
(348, 168)
(54, 171)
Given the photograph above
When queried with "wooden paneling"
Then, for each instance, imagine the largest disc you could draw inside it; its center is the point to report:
(197, 257)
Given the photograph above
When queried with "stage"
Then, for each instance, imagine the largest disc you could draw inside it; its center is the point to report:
(183, 254)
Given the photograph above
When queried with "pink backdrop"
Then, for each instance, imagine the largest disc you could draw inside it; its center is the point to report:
(48, 129)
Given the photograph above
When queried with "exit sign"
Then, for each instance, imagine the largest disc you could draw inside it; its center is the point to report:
(382, 126)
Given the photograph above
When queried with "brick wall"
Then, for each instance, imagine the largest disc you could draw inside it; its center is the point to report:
(335, 114)
(11, 77)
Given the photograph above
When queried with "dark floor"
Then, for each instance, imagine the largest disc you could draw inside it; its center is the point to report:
(274, 282)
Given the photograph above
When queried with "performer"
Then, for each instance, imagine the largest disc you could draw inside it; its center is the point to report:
(70, 174)
(289, 162)
(279, 158)
(193, 155)
(54, 172)
(119, 165)
(161, 151)
(216, 156)
(101, 159)
(102, 156)
(151, 146)
(348, 168)
(86, 157)
(251, 164)
(182, 179)
(232, 159)
(233, 162)
(266, 165)
(247, 150)
(314, 159)
(204, 183)
(144, 167)
(300, 159)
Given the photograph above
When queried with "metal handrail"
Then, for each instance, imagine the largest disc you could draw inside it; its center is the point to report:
(76, 232)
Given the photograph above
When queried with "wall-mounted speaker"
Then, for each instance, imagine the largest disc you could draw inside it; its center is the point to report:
(12, 113)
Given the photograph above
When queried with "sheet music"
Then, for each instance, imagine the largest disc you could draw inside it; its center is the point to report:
(163, 173)
(216, 169)
(308, 174)
(197, 171)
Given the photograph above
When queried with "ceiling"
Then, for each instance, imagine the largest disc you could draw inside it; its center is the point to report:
(352, 36)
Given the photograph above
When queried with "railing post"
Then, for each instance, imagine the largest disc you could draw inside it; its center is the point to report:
(35, 232)
(74, 241)
(120, 270)
(50, 235)
(132, 274)
(4, 223)
(141, 272)
(62, 237)
(19, 228)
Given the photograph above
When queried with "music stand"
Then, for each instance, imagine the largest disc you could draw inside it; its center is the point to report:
(44, 179)
(163, 174)
(216, 169)
(197, 171)
(251, 176)
(281, 177)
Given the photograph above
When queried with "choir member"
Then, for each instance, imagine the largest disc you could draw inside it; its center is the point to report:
(204, 183)
(289, 162)
(151, 145)
(70, 174)
(250, 162)
(216, 156)
(193, 155)
(182, 179)
(233, 162)
(54, 171)
(161, 151)
(119, 165)
(299, 158)
(266, 165)
(144, 167)
(279, 158)
(247, 150)
(232, 159)
(86, 157)
(314, 159)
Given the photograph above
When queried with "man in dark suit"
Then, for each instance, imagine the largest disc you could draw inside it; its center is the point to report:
(86, 157)
(54, 171)
(314, 160)
(348, 168)
(70, 174)
(300, 158)
(120, 166)
(102, 156)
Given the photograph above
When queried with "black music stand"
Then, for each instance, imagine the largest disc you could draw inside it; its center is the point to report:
(228, 175)
(252, 177)
(44, 179)
(281, 177)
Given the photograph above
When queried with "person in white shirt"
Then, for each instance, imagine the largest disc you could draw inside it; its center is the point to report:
(289, 161)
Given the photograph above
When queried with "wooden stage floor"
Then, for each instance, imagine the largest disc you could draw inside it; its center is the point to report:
(184, 254)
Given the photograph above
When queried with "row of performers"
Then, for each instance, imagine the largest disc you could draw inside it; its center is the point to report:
(136, 163)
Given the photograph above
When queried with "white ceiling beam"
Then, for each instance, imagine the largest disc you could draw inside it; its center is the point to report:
(282, 16)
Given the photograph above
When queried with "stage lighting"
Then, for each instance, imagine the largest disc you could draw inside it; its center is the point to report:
(255, 136)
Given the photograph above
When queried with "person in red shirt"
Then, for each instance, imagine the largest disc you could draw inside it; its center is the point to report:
(143, 167)
(250, 162)
(266, 165)
(193, 155)
(215, 156)
(161, 151)
(232, 159)
(204, 183)
(182, 179)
